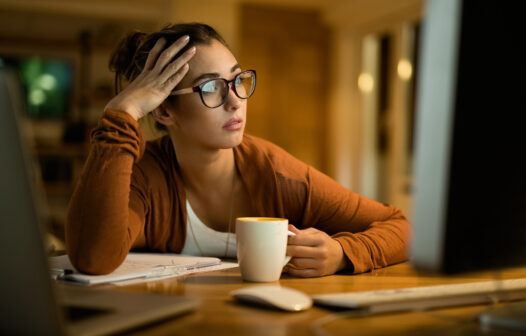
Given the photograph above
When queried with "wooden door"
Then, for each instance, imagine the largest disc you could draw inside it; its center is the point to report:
(289, 51)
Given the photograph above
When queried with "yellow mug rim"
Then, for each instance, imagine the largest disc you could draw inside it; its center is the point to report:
(260, 219)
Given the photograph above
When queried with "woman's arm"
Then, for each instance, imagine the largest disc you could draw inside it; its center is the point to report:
(106, 214)
(344, 230)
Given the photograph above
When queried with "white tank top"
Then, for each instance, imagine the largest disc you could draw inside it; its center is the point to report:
(211, 242)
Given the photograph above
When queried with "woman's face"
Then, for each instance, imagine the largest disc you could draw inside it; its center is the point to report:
(213, 128)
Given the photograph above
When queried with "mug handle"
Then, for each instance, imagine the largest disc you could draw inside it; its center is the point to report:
(287, 258)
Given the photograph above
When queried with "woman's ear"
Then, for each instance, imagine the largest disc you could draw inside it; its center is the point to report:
(163, 116)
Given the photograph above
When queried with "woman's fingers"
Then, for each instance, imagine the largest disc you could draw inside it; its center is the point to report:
(308, 237)
(302, 273)
(177, 77)
(174, 68)
(154, 52)
(304, 251)
(300, 263)
(314, 253)
(166, 56)
(294, 229)
(153, 85)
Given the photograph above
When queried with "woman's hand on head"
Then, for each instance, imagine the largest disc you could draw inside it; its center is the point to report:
(156, 81)
(314, 253)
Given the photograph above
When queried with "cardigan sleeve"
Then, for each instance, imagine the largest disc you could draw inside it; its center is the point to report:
(372, 234)
(106, 212)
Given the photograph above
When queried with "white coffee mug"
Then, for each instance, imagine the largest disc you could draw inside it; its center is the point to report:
(261, 247)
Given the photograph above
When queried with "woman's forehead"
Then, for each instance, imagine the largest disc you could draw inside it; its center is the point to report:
(211, 58)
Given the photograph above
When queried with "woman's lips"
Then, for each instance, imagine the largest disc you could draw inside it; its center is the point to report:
(233, 124)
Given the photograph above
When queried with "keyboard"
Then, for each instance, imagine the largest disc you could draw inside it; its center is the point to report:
(426, 297)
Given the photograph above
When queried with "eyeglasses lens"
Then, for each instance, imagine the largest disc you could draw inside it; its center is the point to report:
(214, 92)
(244, 84)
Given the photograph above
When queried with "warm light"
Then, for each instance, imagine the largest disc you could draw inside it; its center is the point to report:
(37, 97)
(365, 82)
(405, 69)
(47, 81)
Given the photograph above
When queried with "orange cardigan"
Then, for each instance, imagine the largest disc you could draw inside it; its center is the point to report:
(131, 195)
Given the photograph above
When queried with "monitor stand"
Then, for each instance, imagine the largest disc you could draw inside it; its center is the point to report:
(508, 316)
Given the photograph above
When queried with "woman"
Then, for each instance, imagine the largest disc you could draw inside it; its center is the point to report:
(181, 193)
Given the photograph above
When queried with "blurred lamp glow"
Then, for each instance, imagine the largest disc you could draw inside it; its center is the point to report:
(365, 82)
(47, 81)
(405, 69)
(37, 97)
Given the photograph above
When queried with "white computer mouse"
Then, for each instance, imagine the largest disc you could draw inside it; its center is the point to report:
(275, 296)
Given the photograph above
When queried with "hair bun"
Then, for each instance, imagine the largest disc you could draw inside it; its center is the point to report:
(122, 58)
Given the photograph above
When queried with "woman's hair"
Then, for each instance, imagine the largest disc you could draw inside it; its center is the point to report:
(128, 59)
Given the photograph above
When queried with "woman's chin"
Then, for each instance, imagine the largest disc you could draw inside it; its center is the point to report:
(232, 140)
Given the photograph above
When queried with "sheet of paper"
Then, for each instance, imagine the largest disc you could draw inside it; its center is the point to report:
(222, 266)
(139, 265)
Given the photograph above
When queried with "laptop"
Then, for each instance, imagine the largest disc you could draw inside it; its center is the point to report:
(30, 301)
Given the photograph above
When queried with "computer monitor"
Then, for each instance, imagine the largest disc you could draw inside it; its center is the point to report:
(470, 153)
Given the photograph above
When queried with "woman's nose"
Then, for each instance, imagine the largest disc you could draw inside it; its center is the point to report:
(232, 102)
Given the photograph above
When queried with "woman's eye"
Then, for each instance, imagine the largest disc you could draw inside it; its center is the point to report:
(209, 87)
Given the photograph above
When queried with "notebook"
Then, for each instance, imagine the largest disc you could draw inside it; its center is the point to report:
(30, 303)
(135, 266)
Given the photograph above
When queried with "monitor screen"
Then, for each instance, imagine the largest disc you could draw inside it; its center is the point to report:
(470, 152)
(46, 84)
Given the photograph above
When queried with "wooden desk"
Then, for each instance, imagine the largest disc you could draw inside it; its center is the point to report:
(222, 315)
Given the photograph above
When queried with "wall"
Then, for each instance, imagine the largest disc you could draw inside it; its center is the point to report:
(289, 50)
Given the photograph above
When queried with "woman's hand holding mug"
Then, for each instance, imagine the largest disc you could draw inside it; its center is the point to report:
(314, 253)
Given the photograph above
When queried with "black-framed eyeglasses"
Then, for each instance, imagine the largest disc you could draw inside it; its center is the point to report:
(214, 91)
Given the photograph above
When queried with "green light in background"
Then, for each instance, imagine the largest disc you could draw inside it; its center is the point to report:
(47, 81)
(37, 97)
(30, 69)
(47, 84)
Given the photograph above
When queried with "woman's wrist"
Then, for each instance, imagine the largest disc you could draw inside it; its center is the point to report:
(344, 263)
(117, 105)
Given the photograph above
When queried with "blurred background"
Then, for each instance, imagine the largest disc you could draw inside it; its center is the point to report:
(335, 85)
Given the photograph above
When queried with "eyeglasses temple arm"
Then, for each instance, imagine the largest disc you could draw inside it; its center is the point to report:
(182, 91)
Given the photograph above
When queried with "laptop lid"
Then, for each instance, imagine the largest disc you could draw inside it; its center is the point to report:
(29, 302)
(25, 286)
